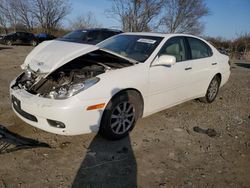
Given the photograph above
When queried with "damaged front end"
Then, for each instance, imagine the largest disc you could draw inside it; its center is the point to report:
(62, 83)
(71, 78)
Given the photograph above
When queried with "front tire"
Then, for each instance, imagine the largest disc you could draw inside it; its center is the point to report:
(8, 42)
(34, 43)
(120, 115)
(212, 91)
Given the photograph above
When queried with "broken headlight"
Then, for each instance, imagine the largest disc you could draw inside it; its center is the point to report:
(66, 91)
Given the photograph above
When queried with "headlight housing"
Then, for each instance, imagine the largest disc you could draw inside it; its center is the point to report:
(68, 91)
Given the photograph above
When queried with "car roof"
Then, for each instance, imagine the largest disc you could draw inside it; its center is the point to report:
(165, 35)
(100, 29)
(23, 32)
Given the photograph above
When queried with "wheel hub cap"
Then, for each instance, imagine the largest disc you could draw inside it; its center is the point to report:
(122, 118)
(213, 89)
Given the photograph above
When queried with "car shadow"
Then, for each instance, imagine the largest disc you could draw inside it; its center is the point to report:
(5, 48)
(10, 141)
(107, 164)
(244, 65)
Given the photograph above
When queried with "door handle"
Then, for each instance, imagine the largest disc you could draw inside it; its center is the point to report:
(188, 68)
(214, 63)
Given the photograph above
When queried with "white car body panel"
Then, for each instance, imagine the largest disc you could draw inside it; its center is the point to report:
(71, 112)
(50, 55)
(161, 87)
(167, 85)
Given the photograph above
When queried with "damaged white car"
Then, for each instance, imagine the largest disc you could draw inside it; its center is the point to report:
(70, 88)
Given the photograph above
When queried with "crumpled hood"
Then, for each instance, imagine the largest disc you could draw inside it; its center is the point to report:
(51, 55)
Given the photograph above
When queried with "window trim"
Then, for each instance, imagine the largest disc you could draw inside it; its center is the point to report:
(190, 51)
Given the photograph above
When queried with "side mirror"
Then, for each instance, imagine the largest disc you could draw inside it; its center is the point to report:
(165, 60)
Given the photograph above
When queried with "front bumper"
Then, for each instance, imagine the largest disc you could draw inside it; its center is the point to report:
(72, 112)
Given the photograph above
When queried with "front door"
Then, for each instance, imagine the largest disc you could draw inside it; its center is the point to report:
(170, 85)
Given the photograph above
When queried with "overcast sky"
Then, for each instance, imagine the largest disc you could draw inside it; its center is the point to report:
(227, 18)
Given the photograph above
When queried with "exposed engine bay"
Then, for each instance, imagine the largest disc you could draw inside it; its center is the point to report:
(71, 78)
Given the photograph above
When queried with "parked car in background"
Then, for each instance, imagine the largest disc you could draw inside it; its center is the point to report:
(71, 88)
(1, 36)
(43, 37)
(19, 38)
(89, 36)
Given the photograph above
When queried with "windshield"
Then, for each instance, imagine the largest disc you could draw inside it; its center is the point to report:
(11, 34)
(76, 35)
(137, 47)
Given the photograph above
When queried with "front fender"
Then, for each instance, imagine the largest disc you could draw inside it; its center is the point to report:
(114, 81)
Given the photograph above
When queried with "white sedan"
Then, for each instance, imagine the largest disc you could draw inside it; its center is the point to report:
(70, 89)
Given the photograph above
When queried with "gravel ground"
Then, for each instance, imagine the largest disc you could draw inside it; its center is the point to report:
(162, 151)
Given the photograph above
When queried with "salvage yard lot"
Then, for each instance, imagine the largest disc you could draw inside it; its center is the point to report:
(162, 151)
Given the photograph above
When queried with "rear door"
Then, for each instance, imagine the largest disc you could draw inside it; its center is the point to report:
(28, 38)
(18, 38)
(202, 65)
(24, 38)
(170, 85)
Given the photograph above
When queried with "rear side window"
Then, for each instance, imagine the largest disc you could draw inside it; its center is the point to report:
(199, 49)
(94, 37)
(107, 34)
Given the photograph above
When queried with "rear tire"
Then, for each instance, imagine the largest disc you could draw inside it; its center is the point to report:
(212, 91)
(120, 115)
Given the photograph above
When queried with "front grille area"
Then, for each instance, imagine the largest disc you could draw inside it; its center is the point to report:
(17, 106)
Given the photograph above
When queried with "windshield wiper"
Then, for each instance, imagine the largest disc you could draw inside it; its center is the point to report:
(130, 60)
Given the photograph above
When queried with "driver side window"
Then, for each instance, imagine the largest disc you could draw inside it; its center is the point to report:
(176, 47)
(93, 36)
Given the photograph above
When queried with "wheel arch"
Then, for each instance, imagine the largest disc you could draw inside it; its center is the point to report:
(205, 98)
(132, 91)
(104, 128)
(219, 76)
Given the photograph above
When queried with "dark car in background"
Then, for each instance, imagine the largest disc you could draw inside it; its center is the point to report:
(19, 38)
(1, 36)
(43, 37)
(89, 36)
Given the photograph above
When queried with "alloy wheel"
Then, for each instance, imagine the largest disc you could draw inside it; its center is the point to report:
(9, 43)
(34, 43)
(122, 118)
(213, 89)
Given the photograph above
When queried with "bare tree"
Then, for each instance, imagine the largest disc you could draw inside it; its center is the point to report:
(9, 17)
(16, 13)
(50, 13)
(23, 9)
(136, 15)
(242, 42)
(182, 16)
(85, 21)
(3, 21)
